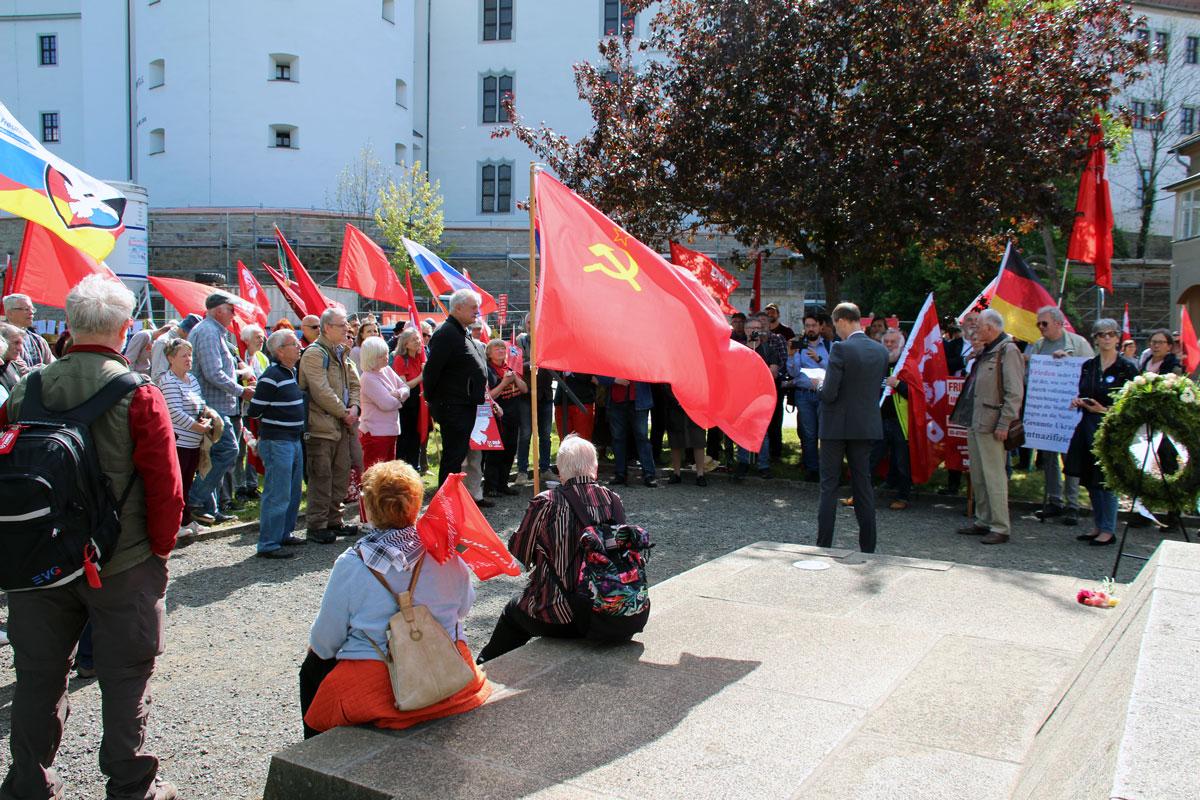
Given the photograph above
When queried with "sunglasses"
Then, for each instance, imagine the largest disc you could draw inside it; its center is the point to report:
(1043, 324)
(1106, 334)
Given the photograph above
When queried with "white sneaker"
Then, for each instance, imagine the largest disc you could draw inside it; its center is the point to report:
(196, 527)
(184, 532)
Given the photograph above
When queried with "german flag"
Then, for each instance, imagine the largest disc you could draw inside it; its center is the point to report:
(1017, 295)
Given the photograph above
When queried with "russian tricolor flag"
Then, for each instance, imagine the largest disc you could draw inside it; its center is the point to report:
(441, 278)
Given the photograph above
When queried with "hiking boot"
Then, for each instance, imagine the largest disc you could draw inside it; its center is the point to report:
(345, 530)
(995, 538)
(320, 535)
(221, 517)
(293, 541)
(274, 554)
(1052, 510)
(202, 516)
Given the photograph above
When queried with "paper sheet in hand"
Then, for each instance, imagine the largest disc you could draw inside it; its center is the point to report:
(1049, 419)
(814, 374)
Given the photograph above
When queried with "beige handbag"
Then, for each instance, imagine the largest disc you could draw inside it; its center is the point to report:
(424, 664)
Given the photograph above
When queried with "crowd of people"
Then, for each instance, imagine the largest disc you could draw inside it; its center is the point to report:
(340, 415)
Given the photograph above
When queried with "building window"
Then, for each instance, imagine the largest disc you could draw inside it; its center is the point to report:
(284, 67)
(495, 89)
(48, 50)
(401, 153)
(497, 20)
(1162, 42)
(1155, 120)
(1192, 54)
(1187, 120)
(1145, 193)
(50, 132)
(617, 17)
(389, 11)
(401, 93)
(284, 137)
(1137, 114)
(496, 183)
(1188, 226)
(158, 141)
(1143, 35)
(158, 73)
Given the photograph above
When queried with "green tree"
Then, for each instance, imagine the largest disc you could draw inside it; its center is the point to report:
(359, 184)
(410, 208)
(845, 130)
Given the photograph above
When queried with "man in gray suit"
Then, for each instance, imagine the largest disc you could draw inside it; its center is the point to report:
(850, 423)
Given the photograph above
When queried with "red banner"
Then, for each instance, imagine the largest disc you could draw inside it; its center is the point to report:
(957, 457)
(719, 283)
(252, 292)
(922, 367)
(501, 309)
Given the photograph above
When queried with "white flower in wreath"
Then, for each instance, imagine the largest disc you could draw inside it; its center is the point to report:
(1140, 380)
(1171, 379)
(1188, 396)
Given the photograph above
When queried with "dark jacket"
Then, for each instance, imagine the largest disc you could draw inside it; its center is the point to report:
(850, 393)
(1170, 363)
(455, 371)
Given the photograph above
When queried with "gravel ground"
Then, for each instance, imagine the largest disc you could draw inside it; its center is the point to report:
(225, 690)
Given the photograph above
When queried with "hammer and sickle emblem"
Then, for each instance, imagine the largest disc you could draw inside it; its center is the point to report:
(618, 270)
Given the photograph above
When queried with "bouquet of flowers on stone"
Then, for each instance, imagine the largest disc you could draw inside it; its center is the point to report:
(1099, 598)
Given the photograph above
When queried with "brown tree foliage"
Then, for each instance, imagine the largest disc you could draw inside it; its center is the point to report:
(845, 130)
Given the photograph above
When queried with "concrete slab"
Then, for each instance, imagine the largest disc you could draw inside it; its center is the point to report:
(884, 768)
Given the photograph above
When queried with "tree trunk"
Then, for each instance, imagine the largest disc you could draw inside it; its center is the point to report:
(831, 276)
(1051, 258)
(1143, 237)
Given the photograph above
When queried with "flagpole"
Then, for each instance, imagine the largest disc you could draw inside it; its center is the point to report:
(1062, 290)
(534, 445)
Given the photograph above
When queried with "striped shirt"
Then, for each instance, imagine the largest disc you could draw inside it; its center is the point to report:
(214, 366)
(185, 403)
(548, 540)
(279, 403)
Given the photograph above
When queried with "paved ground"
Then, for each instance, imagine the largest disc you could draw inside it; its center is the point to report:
(225, 691)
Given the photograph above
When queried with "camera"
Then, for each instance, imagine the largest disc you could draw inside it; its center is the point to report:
(755, 336)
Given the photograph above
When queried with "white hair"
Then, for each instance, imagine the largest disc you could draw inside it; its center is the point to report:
(9, 334)
(895, 332)
(374, 353)
(462, 296)
(99, 306)
(1053, 312)
(279, 338)
(402, 340)
(576, 458)
(10, 302)
(251, 330)
(331, 315)
(992, 317)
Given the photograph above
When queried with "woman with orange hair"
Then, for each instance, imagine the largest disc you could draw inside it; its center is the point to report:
(344, 680)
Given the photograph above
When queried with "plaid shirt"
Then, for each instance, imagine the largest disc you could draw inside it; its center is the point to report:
(214, 368)
(774, 351)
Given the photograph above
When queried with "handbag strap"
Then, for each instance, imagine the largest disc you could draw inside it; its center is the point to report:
(403, 599)
(1000, 382)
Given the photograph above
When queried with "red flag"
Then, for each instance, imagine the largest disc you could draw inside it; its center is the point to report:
(414, 321)
(720, 284)
(306, 287)
(922, 366)
(669, 331)
(365, 269)
(453, 524)
(288, 288)
(48, 267)
(756, 296)
(1091, 237)
(1191, 350)
(252, 292)
(188, 298)
(1126, 333)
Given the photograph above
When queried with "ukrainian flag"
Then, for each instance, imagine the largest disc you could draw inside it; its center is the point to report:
(41, 187)
(1017, 295)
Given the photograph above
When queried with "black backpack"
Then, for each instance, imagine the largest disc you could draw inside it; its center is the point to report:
(59, 516)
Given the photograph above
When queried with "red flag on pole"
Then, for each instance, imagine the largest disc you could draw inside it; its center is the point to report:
(48, 267)
(756, 296)
(252, 292)
(595, 275)
(1191, 349)
(1091, 237)
(454, 525)
(922, 367)
(414, 321)
(188, 298)
(306, 287)
(365, 269)
(720, 284)
(288, 289)
(1126, 333)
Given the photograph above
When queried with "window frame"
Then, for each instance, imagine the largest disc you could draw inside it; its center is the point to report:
(1137, 114)
(496, 107)
(51, 51)
(497, 179)
(1187, 120)
(44, 117)
(497, 24)
(1192, 50)
(281, 129)
(1188, 224)
(161, 144)
(622, 18)
(1145, 179)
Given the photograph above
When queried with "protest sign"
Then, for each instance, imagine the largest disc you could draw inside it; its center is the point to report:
(486, 433)
(957, 458)
(1049, 419)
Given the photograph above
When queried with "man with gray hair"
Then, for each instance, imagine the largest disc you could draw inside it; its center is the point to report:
(19, 311)
(12, 368)
(990, 402)
(1059, 342)
(455, 381)
(330, 380)
(136, 447)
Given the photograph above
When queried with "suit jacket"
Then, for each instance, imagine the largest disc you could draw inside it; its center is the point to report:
(850, 393)
(455, 372)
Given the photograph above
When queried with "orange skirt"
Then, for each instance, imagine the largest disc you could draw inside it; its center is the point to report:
(359, 692)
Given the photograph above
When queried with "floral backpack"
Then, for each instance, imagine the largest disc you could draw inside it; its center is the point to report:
(611, 589)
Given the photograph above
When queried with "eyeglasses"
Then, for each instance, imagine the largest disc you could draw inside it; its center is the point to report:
(1159, 341)
(1106, 334)
(1043, 323)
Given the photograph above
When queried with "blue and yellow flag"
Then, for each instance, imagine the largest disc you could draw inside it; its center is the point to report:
(40, 186)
